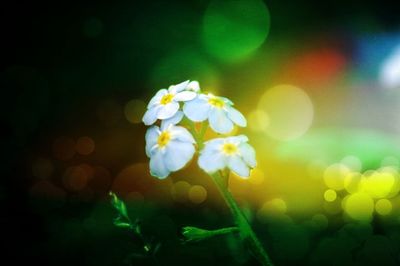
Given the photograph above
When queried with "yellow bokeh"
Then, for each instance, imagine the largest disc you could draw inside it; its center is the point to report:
(359, 206)
(179, 191)
(256, 176)
(378, 184)
(134, 110)
(330, 195)
(352, 182)
(258, 120)
(197, 194)
(335, 175)
(383, 207)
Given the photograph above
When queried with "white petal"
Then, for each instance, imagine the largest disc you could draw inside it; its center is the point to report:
(213, 145)
(181, 134)
(185, 96)
(157, 97)
(237, 139)
(238, 166)
(151, 138)
(193, 86)
(173, 120)
(248, 154)
(219, 121)
(178, 87)
(236, 117)
(157, 165)
(197, 110)
(211, 161)
(178, 154)
(151, 115)
(168, 110)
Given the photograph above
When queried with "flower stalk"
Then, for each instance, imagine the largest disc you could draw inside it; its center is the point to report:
(245, 231)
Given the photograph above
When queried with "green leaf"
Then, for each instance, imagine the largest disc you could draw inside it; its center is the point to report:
(119, 205)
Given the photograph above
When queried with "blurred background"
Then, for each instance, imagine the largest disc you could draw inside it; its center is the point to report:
(319, 83)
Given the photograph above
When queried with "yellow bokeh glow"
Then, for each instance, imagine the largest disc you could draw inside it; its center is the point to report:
(378, 185)
(290, 112)
(383, 207)
(330, 195)
(197, 194)
(179, 191)
(134, 110)
(258, 120)
(352, 182)
(359, 206)
(334, 176)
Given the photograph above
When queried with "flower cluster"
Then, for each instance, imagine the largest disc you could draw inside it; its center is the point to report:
(170, 147)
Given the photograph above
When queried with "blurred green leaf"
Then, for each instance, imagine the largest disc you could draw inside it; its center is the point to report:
(119, 205)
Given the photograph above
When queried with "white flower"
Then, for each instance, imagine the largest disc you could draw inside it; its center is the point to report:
(165, 103)
(232, 152)
(169, 149)
(218, 110)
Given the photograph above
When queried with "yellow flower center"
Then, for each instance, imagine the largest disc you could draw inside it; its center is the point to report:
(163, 139)
(167, 98)
(216, 102)
(229, 149)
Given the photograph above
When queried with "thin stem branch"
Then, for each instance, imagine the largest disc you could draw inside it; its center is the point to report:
(245, 230)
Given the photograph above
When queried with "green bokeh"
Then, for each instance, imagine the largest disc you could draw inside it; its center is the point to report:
(232, 30)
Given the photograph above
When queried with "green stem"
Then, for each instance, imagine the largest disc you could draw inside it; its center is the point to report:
(247, 234)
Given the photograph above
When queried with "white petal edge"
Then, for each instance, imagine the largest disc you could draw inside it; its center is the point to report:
(248, 154)
(211, 161)
(178, 154)
(151, 115)
(151, 138)
(236, 117)
(219, 121)
(178, 87)
(168, 110)
(157, 165)
(238, 166)
(185, 96)
(156, 98)
(197, 110)
(173, 120)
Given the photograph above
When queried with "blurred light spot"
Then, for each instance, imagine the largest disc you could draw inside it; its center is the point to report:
(183, 65)
(258, 120)
(134, 110)
(64, 148)
(271, 208)
(383, 207)
(290, 112)
(389, 75)
(359, 206)
(320, 220)
(84, 146)
(330, 195)
(378, 185)
(256, 176)
(134, 177)
(232, 30)
(42, 168)
(334, 176)
(179, 191)
(352, 182)
(75, 178)
(88, 169)
(352, 162)
(197, 194)
(314, 68)
(92, 27)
